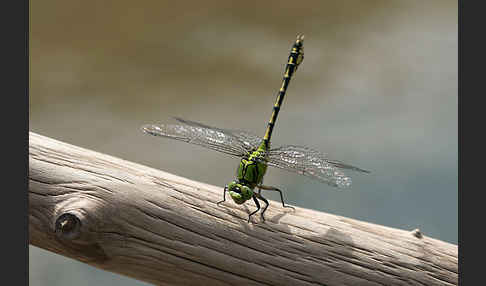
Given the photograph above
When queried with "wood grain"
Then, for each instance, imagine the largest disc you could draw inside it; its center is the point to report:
(163, 229)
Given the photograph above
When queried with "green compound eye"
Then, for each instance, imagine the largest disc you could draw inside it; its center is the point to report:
(239, 193)
(245, 191)
(237, 198)
(231, 186)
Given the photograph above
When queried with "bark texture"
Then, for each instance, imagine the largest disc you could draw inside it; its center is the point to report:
(167, 230)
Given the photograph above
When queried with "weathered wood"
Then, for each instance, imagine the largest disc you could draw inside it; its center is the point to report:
(156, 227)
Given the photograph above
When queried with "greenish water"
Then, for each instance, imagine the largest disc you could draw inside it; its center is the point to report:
(377, 88)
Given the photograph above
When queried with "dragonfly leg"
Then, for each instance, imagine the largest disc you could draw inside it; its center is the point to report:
(224, 195)
(266, 204)
(258, 207)
(259, 187)
(269, 188)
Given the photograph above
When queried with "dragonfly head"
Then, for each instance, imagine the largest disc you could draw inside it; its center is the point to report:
(240, 193)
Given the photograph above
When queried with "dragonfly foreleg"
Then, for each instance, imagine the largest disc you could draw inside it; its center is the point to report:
(258, 207)
(266, 204)
(270, 188)
(224, 195)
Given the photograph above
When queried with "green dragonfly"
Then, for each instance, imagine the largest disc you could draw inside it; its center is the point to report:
(255, 152)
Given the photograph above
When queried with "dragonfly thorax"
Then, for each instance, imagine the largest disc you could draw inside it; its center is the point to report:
(252, 169)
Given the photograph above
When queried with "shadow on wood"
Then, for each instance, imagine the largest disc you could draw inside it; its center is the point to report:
(167, 230)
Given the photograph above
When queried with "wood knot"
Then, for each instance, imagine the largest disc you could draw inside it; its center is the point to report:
(68, 226)
(416, 232)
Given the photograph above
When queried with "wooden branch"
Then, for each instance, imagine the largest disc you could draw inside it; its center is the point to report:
(156, 227)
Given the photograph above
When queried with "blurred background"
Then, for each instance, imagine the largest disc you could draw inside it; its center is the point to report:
(377, 89)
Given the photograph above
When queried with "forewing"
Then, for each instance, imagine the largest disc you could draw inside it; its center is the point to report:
(311, 163)
(247, 140)
(202, 135)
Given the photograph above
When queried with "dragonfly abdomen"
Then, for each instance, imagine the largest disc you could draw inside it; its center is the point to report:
(295, 58)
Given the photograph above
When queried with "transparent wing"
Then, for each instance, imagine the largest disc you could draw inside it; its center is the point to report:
(200, 134)
(311, 163)
(248, 140)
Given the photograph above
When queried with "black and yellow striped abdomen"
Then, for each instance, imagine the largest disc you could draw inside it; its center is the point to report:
(295, 58)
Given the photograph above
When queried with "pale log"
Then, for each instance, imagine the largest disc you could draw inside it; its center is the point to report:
(166, 230)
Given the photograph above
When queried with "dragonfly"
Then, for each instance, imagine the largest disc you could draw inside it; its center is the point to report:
(255, 152)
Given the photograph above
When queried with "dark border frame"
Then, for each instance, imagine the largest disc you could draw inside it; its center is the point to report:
(469, 178)
(15, 122)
